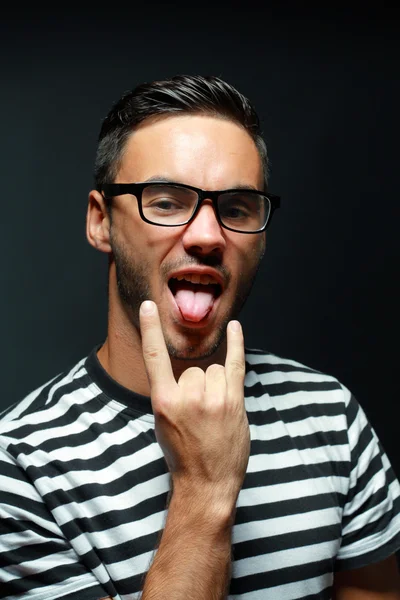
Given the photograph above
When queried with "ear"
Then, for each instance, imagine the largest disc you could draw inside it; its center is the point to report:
(98, 223)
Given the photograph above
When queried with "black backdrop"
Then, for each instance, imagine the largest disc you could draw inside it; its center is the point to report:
(327, 89)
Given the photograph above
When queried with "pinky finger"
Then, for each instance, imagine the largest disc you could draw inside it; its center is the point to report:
(235, 359)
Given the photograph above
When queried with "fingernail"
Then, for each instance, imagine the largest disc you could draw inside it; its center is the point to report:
(147, 307)
(235, 326)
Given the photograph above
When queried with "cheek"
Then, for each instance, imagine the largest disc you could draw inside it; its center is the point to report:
(259, 247)
(144, 241)
(164, 250)
(156, 238)
(251, 252)
(262, 245)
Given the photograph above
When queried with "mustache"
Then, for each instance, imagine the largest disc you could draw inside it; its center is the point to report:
(192, 261)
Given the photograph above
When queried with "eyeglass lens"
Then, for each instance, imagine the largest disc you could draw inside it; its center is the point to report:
(169, 205)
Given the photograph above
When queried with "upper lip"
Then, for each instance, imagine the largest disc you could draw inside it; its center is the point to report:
(215, 275)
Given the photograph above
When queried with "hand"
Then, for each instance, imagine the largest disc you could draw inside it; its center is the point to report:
(200, 422)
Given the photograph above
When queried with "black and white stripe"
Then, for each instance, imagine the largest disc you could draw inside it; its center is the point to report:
(83, 487)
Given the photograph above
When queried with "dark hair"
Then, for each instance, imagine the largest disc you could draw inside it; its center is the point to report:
(190, 94)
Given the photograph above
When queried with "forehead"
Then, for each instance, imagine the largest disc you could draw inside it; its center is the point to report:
(200, 150)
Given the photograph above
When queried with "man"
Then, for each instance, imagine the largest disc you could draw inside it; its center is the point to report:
(169, 463)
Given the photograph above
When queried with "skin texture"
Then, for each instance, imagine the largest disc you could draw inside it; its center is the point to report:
(193, 376)
(201, 425)
(204, 152)
(195, 380)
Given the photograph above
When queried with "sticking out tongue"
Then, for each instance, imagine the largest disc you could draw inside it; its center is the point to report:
(194, 301)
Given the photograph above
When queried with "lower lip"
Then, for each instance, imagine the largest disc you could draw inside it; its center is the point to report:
(205, 321)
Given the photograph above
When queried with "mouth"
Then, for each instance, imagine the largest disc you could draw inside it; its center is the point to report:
(195, 295)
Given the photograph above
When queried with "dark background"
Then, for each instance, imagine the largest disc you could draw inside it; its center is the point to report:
(326, 85)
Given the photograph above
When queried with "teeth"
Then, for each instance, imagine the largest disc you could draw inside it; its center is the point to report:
(196, 278)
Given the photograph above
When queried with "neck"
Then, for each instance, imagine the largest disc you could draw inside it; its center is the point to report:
(121, 354)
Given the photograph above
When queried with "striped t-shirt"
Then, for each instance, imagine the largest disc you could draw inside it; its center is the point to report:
(84, 486)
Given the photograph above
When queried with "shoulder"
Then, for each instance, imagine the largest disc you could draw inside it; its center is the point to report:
(270, 371)
(48, 403)
(281, 383)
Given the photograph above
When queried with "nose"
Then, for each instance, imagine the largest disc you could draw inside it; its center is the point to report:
(204, 234)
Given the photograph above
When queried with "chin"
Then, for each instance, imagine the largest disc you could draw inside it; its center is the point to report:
(195, 346)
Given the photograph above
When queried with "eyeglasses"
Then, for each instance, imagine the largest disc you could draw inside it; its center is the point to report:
(173, 204)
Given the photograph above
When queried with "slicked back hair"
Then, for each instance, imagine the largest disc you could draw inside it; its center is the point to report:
(182, 94)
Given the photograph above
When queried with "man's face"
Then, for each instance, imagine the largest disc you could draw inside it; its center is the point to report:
(170, 265)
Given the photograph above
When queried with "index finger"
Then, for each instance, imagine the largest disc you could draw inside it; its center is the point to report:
(235, 367)
(154, 349)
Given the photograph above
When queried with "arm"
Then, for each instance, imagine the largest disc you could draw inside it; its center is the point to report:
(370, 525)
(380, 581)
(201, 425)
(193, 559)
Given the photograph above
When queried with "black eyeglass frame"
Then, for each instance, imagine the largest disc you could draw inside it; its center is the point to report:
(136, 189)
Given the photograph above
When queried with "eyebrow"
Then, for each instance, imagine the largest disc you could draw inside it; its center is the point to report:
(161, 179)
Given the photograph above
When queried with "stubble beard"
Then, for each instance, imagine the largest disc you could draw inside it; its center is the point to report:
(133, 288)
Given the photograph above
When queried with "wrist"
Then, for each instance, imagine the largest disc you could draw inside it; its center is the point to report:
(203, 506)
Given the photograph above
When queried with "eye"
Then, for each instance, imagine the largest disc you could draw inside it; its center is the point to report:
(165, 204)
(245, 208)
(234, 212)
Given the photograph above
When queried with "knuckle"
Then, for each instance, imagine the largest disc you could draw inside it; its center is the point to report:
(192, 374)
(237, 366)
(215, 370)
(160, 407)
(195, 371)
(151, 352)
(216, 404)
(191, 383)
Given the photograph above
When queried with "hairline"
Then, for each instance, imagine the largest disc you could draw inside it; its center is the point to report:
(155, 118)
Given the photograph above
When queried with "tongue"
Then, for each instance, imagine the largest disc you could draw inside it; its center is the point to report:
(194, 305)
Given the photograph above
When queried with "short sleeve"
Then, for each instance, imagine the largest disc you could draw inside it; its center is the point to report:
(371, 515)
(36, 561)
